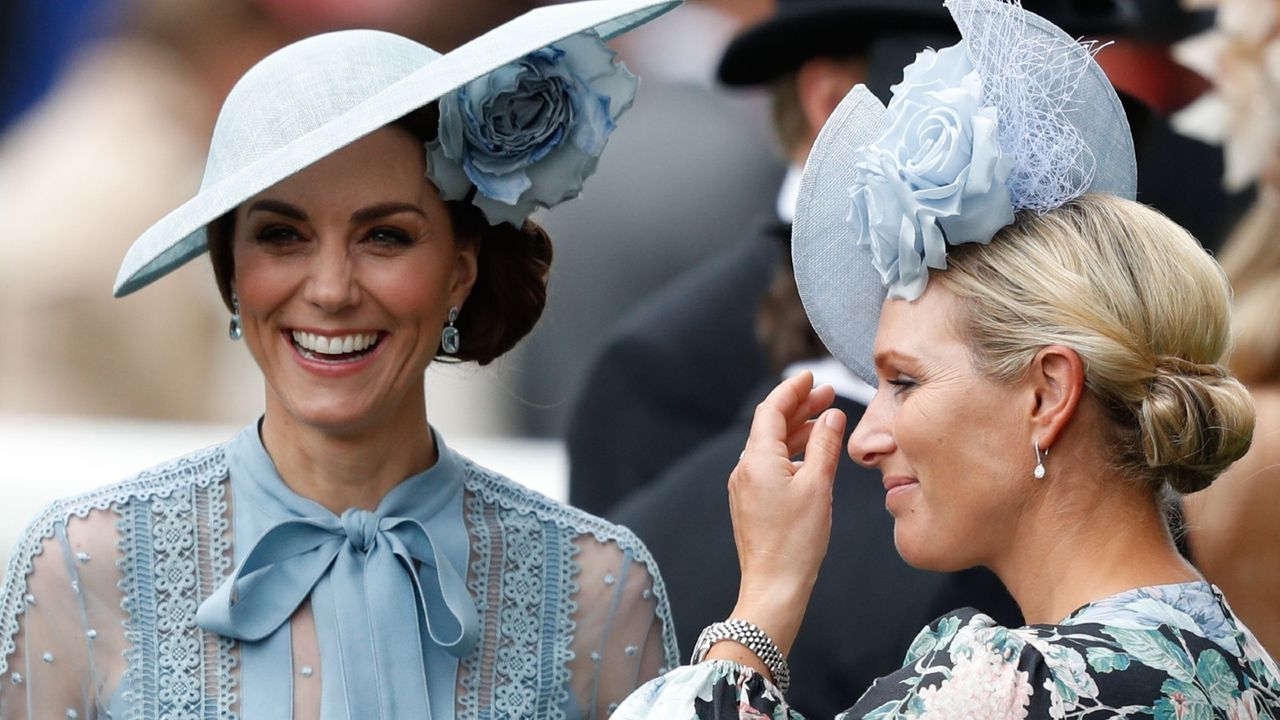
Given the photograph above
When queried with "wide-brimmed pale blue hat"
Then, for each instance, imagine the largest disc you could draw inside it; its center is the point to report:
(318, 95)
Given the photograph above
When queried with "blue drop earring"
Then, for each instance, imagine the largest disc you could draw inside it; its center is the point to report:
(235, 331)
(449, 337)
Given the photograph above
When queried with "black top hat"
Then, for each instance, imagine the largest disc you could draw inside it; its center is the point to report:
(803, 29)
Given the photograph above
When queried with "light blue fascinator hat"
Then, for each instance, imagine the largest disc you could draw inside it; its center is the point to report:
(525, 110)
(1016, 116)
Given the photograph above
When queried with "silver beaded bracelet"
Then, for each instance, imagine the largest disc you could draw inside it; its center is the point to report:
(750, 637)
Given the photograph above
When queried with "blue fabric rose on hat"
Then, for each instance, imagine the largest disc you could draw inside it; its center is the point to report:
(527, 134)
(937, 175)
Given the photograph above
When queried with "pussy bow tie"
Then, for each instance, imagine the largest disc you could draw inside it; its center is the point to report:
(368, 574)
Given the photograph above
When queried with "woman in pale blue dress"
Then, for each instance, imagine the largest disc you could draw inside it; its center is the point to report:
(365, 207)
(1048, 360)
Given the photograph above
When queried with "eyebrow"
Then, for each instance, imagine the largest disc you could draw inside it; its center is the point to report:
(360, 216)
(882, 357)
(280, 208)
(382, 210)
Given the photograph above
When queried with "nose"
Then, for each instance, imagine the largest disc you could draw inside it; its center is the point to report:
(872, 440)
(331, 282)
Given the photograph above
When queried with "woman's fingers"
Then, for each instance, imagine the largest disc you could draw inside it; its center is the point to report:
(782, 509)
(822, 452)
(769, 426)
(819, 399)
(783, 419)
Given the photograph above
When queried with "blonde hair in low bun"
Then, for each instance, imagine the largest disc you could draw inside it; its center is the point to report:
(1144, 306)
(1182, 423)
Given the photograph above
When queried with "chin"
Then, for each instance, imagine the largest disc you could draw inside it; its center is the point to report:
(332, 417)
(926, 550)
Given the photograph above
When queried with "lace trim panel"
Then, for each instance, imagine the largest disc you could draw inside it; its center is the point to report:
(524, 578)
(516, 564)
(508, 495)
(175, 548)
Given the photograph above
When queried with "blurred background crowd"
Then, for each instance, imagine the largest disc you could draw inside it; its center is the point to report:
(670, 308)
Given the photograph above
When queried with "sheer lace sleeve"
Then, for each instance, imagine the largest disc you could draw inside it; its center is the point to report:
(620, 621)
(711, 690)
(63, 638)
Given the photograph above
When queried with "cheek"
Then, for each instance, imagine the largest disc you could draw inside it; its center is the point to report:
(411, 292)
(263, 282)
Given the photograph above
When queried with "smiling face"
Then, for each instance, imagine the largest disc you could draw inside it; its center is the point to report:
(345, 274)
(955, 457)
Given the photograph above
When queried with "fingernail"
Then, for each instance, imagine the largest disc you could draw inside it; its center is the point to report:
(832, 419)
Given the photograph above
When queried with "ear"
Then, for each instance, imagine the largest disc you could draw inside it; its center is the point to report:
(822, 83)
(1056, 381)
(466, 268)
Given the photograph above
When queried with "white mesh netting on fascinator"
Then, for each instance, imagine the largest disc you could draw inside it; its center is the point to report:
(1017, 116)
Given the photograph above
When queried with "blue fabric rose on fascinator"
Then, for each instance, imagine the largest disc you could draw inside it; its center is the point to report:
(528, 134)
(936, 176)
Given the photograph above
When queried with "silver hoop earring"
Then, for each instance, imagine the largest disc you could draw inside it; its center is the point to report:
(1040, 456)
(449, 338)
(235, 331)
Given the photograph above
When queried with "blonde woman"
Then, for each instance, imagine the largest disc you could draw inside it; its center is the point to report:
(1048, 358)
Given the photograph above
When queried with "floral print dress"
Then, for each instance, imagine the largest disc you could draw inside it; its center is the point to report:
(1168, 652)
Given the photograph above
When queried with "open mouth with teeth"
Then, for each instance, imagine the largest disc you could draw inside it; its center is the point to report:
(334, 348)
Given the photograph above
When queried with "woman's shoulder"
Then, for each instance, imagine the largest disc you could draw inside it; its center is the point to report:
(1159, 651)
(201, 468)
(497, 490)
(197, 469)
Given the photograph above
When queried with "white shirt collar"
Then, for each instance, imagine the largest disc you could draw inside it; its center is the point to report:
(788, 194)
(829, 371)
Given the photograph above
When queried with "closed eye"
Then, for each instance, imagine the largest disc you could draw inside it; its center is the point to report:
(902, 385)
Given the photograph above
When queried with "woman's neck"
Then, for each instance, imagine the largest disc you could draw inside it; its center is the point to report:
(1085, 539)
(351, 469)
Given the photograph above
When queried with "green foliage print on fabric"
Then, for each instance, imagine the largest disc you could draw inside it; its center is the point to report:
(1214, 675)
(1104, 660)
(1153, 649)
(1182, 701)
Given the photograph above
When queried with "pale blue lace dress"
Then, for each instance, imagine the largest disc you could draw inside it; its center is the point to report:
(206, 589)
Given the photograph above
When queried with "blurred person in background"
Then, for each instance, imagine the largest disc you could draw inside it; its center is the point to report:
(1233, 527)
(36, 38)
(685, 359)
(680, 184)
(364, 205)
(119, 140)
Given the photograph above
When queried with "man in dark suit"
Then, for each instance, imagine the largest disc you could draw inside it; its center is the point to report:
(631, 422)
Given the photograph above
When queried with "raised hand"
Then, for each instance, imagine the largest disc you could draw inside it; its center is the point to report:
(782, 508)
